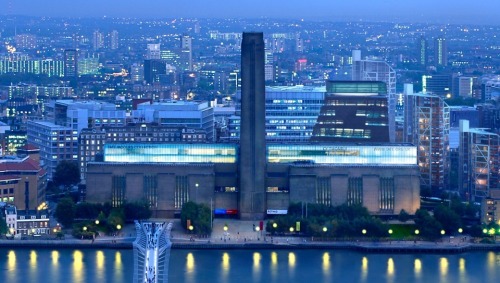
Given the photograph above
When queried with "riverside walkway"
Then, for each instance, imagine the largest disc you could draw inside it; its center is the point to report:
(240, 235)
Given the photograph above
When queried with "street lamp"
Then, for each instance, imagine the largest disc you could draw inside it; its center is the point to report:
(390, 231)
(85, 228)
(97, 222)
(442, 232)
(196, 185)
(460, 230)
(118, 227)
(291, 229)
(191, 228)
(485, 231)
(325, 229)
(363, 231)
(417, 232)
(225, 228)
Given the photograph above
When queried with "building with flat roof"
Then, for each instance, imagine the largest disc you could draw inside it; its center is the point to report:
(384, 178)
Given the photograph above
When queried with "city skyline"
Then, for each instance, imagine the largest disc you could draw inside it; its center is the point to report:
(460, 11)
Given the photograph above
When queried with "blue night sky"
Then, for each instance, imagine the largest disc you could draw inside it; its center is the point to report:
(453, 11)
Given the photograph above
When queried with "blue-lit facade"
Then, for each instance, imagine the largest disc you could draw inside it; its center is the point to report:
(343, 154)
(228, 153)
(170, 153)
(291, 113)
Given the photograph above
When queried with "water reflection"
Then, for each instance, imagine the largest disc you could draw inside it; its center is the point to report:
(364, 268)
(274, 265)
(77, 266)
(118, 267)
(326, 263)
(55, 258)
(418, 267)
(190, 263)
(443, 266)
(225, 266)
(461, 270)
(390, 269)
(33, 259)
(11, 266)
(256, 266)
(99, 258)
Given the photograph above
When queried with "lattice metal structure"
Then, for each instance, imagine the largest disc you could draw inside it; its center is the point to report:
(151, 252)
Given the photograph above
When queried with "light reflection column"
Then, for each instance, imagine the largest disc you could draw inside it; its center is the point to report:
(118, 267)
(11, 266)
(225, 267)
(256, 270)
(78, 266)
(364, 268)
(390, 270)
(274, 265)
(418, 268)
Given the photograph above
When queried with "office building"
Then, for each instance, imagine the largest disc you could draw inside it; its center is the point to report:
(56, 143)
(380, 71)
(153, 52)
(353, 111)
(186, 57)
(440, 85)
(440, 52)
(463, 87)
(423, 55)
(70, 63)
(97, 40)
(427, 125)
(114, 42)
(153, 70)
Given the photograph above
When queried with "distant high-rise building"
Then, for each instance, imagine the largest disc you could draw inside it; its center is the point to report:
(269, 66)
(153, 69)
(186, 53)
(423, 55)
(153, 51)
(113, 40)
(253, 132)
(376, 70)
(427, 125)
(70, 63)
(440, 52)
(97, 40)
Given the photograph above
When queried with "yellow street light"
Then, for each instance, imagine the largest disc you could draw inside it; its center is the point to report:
(460, 230)
(96, 222)
(390, 231)
(257, 228)
(84, 228)
(118, 227)
(225, 228)
(191, 228)
(417, 232)
(291, 229)
(363, 231)
(325, 229)
(442, 232)
(275, 225)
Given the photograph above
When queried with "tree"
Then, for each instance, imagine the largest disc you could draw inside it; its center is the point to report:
(136, 211)
(65, 212)
(404, 216)
(448, 218)
(199, 217)
(3, 226)
(66, 174)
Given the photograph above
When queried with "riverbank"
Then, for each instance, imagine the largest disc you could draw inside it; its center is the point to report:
(367, 247)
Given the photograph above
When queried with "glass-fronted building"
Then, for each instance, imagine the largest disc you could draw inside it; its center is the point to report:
(170, 153)
(291, 113)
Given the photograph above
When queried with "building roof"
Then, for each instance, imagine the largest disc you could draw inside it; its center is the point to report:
(29, 147)
(17, 165)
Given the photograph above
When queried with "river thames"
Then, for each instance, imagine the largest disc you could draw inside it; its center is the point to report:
(241, 266)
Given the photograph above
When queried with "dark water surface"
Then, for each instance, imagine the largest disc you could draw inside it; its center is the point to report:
(241, 266)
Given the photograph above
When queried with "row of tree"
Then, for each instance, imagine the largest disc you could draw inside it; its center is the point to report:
(108, 217)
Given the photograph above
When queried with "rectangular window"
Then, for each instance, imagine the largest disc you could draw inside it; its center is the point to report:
(118, 188)
(355, 191)
(323, 191)
(386, 197)
(181, 194)
(151, 190)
